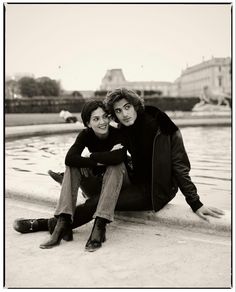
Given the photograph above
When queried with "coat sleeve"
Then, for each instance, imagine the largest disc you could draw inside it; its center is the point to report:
(181, 168)
(73, 156)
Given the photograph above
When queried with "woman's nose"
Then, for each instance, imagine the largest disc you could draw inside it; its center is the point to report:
(103, 121)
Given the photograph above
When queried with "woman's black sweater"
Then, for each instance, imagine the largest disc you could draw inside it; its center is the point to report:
(99, 148)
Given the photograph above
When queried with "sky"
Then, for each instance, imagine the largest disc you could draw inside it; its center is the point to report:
(77, 43)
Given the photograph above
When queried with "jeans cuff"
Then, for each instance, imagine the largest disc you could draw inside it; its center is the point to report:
(102, 215)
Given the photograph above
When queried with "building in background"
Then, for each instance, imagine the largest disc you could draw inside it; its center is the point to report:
(214, 74)
(115, 78)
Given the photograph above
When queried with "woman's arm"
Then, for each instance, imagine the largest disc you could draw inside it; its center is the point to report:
(113, 157)
(73, 156)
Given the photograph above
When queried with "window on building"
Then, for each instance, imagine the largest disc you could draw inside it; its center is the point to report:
(220, 81)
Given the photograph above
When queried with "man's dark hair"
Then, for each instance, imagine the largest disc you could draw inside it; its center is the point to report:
(88, 108)
(120, 93)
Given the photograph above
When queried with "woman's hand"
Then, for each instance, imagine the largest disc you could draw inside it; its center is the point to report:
(117, 147)
(203, 212)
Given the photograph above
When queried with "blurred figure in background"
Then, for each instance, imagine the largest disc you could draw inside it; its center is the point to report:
(68, 117)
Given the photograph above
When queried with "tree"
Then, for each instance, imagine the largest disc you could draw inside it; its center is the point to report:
(28, 87)
(76, 94)
(48, 87)
(11, 89)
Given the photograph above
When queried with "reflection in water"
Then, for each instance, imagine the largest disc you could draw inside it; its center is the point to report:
(209, 150)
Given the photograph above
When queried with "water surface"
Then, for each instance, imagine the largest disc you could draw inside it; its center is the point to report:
(208, 148)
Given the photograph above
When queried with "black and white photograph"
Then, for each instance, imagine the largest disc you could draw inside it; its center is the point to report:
(118, 145)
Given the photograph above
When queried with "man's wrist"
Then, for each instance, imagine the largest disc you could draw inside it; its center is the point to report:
(195, 205)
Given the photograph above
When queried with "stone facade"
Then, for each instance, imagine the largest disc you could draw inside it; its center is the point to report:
(115, 78)
(214, 74)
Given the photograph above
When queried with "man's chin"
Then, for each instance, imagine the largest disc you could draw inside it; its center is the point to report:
(130, 123)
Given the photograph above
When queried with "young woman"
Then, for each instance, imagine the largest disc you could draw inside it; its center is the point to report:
(100, 174)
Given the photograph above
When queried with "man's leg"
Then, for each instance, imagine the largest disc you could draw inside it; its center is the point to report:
(134, 197)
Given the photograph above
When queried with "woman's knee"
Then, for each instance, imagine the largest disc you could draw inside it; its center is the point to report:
(118, 168)
(73, 170)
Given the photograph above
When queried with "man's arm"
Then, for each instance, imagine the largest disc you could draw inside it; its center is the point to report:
(181, 168)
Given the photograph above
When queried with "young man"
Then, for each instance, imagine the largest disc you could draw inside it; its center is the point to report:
(160, 162)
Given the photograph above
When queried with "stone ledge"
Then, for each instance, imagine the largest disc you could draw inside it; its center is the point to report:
(171, 215)
(39, 130)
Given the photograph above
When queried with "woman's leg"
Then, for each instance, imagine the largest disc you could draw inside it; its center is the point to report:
(65, 207)
(90, 185)
(69, 192)
(111, 185)
(131, 198)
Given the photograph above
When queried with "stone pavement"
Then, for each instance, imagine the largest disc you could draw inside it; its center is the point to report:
(133, 256)
(23, 186)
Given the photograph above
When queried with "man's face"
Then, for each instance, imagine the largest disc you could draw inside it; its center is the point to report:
(125, 112)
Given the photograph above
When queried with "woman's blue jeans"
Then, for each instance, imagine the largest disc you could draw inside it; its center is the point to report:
(107, 188)
(113, 191)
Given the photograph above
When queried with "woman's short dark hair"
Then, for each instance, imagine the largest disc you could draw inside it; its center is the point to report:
(120, 93)
(88, 108)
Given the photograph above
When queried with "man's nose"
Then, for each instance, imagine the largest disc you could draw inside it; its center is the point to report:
(124, 113)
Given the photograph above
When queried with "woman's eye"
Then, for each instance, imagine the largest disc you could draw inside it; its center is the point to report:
(117, 111)
(127, 106)
(95, 119)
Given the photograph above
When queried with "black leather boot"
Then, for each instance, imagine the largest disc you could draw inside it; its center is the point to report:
(57, 176)
(52, 222)
(30, 225)
(62, 229)
(98, 234)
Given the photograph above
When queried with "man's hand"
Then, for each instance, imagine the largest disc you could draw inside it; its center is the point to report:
(203, 212)
(117, 146)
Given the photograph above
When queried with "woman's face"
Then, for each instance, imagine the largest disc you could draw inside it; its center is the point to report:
(99, 122)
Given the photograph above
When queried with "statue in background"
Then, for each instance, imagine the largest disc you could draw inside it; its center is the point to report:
(213, 101)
